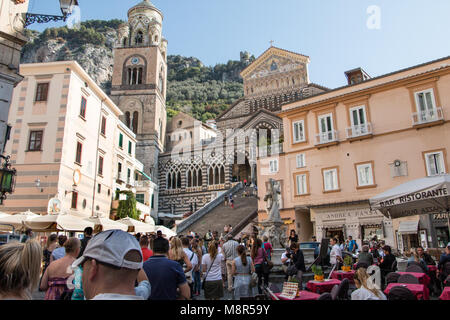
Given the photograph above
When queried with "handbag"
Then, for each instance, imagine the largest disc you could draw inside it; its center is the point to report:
(204, 280)
(267, 264)
(254, 280)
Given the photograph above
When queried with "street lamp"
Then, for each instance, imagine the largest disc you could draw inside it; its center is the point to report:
(66, 9)
(7, 178)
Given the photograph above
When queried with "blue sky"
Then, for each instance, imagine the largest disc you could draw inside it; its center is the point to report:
(333, 33)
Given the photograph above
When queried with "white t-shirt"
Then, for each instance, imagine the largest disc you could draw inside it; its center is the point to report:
(335, 251)
(364, 294)
(189, 253)
(283, 256)
(216, 270)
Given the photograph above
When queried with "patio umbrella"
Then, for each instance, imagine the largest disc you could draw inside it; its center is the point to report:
(165, 231)
(58, 222)
(16, 220)
(422, 196)
(107, 224)
(137, 226)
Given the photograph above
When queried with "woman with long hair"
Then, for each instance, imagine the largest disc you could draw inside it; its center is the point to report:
(52, 244)
(365, 290)
(242, 270)
(258, 256)
(20, 267)
(212, 266)
(176, 253)
(197, 272)
(56, 278)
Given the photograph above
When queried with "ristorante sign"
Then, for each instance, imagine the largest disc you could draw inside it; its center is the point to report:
(424, 195)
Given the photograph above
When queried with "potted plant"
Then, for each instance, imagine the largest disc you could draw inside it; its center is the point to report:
(348, 261)
(318, 273)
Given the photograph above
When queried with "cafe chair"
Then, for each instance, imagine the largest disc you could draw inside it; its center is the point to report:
(447, 282)
(415, 268)
(325, 296)
(392, 277)
(400, 293)
(343, 289)
(394, 266)
(408, 278)
(334, 292)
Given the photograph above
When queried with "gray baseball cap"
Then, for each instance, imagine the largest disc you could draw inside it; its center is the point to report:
(111, 247)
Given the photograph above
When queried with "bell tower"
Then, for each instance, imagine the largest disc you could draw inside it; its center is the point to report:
(139, 81)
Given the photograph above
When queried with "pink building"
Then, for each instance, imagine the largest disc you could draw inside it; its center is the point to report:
(344, 146)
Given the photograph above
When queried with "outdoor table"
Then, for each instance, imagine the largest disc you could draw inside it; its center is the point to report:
(304, 295)
(340, 275)
(422, 277)
(419, 290)
(432, 268)
(322, 286)
(445, 294)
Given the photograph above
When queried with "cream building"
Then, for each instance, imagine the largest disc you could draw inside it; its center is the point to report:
(344, 146)
(11, 42)
(67, 136)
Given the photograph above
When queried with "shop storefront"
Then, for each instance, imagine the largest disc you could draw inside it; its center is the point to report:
(440, 228)
(356, 220)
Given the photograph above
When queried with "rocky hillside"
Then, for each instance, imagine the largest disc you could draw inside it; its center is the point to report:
(199, 90)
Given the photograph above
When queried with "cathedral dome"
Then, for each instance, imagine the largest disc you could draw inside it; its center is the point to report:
(144, 6)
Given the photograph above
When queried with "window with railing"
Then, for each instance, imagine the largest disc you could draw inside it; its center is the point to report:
(427, 111)
(327, 133)
(359, 123)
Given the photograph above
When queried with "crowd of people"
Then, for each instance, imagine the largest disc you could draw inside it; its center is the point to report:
(117, 265)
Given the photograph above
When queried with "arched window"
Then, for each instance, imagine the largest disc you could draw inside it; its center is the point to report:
(179, 180)
(211, 176)
(134, 76)
(222, 175)
(169, 181)
(156, 38)
(139, 80)
(200, 178)
(125, 41)
(174, 180)
(129, 76)
(127, 119)
(135, 122)
(189, 179)
(139, 37)
(216, 175)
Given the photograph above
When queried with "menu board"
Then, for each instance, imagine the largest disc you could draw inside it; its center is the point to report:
(290, 290)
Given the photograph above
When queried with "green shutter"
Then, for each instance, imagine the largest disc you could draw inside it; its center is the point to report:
(120, 140)
(129, 147)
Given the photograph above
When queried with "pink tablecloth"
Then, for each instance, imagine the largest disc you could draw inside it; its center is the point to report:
(304, 295)
(432, 268)
(419, 290)
(340, 275)
(322, 286)
(445, 294)
(422, 277)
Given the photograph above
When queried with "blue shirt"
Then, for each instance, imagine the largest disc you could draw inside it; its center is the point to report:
(351, 245)
(58, 253)
(164, 276)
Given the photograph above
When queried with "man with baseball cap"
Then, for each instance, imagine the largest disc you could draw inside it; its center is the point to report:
(111, 262)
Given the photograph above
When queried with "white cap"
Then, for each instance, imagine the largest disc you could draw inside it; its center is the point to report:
(111, 247)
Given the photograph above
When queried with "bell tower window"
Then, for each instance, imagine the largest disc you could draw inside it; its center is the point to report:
(125, 41)
(135, 122)
(127, 119)
(139, 37)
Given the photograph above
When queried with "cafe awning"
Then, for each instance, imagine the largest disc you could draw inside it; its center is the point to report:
(408, 227)
(66, 222)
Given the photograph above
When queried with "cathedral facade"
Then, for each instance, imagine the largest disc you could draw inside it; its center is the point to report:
(189, 182)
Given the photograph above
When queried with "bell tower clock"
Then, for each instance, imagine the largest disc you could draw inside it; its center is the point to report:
(139, 81)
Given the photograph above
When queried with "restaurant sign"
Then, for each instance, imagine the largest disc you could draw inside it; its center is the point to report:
(440, 216)
(423, 195)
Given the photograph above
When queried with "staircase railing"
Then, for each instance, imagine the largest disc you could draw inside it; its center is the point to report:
(183, 225)
(245, 222)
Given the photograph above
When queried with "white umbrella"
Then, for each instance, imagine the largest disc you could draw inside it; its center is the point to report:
(16, 220)
(138, 225)
(422, 196)
(107, 224)
(166, 231)
(64, 222)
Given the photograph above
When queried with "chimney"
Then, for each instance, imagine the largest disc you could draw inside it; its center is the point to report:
(356, 76)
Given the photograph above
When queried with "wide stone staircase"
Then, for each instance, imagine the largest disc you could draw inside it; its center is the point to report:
(222, 215)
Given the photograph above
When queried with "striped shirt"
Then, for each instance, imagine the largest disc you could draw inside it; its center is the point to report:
(230, 249)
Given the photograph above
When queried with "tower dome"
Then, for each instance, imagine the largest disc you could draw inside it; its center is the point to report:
(145, 22)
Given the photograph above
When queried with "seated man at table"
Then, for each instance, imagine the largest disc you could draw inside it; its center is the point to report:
(387, 262)
(445, 258)
(365, 256)
(425, 256)
(414, 257)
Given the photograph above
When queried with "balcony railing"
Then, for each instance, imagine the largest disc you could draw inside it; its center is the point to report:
(142, 184)
(326, 137)
(428, 116)
(120, 178)
(360, 130)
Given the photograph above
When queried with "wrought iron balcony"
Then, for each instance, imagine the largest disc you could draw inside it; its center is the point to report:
(359, 130)
(428, 116)
(327, 137)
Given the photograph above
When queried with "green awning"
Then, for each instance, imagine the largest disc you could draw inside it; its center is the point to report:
(145, 175)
